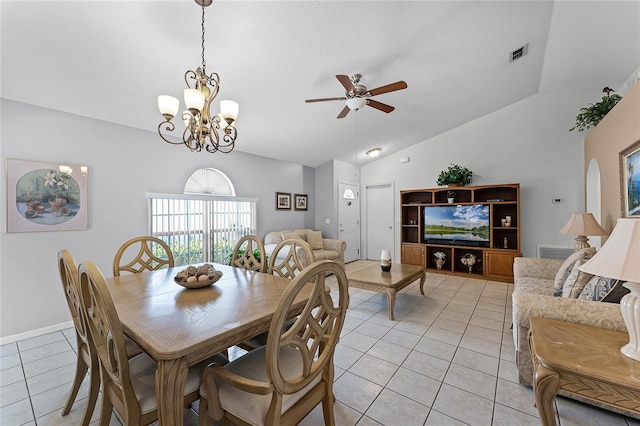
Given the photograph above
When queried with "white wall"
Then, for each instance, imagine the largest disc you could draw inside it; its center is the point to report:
(327, 180)
(527, 142)
(124, 163)
(324, 192)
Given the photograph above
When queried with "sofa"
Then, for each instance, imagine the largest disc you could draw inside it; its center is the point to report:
(323, 248)
(535, 281)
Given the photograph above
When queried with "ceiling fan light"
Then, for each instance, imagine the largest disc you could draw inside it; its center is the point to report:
(374, 152)
(355, 104)
(168, 106)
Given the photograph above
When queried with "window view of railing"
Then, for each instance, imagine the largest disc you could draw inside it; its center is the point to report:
(200, 228)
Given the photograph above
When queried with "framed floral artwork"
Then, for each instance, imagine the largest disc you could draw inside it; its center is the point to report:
(300, 201)
(283, 201)
(45, 196)
(630, 181)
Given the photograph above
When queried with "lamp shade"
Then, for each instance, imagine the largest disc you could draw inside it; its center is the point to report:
(229, 110)
(619, 257)
(168, 105)
(194, 99)
(583, 224)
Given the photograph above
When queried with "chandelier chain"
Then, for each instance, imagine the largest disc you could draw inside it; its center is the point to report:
(204, 63)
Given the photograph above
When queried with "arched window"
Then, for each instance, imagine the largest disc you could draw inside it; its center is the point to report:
(209, 181)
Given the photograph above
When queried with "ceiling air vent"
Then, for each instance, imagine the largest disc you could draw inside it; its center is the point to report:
(518, 53)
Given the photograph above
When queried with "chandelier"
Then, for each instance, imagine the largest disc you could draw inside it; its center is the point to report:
(202, 131)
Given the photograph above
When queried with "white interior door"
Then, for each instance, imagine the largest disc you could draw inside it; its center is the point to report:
(349, 215)
(379, 223)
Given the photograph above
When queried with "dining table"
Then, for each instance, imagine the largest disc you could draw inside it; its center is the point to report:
(179, 327)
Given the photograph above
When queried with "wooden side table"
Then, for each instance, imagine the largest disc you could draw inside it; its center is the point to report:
(584, 363)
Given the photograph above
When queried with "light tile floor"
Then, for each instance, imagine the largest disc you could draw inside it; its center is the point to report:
(448, 359)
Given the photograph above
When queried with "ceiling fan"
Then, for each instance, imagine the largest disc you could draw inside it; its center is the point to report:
(357, 95)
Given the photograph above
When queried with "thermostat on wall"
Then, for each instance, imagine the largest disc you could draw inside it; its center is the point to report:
(558, 200)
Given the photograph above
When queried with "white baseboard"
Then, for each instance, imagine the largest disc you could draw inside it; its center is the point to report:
(35, 333)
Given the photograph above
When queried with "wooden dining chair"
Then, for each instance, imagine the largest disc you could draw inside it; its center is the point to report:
(128, 385)
(287, 265)
(243, 255)
(280, 383)
(146, 259)
(290, 264)
(87, 359)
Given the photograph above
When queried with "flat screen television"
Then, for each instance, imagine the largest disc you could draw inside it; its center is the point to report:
(460, 225)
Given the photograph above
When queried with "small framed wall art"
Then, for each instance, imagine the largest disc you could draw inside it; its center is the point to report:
(45, 196)
(283, 201)
(630, 180)
(300, 201)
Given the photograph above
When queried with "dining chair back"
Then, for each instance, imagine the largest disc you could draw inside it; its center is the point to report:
(87, 359)
(282, 382)
(152, 253)
(290, 263)
(128, 385)
(244, 254)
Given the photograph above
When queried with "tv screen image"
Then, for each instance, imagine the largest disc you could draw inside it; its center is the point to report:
(457, 225)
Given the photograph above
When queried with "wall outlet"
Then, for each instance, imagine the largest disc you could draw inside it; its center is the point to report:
(558, 200)
(327, 221)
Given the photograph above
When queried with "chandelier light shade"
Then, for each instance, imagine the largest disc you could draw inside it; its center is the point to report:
(582, 225)
(203, 131)
(618, 258)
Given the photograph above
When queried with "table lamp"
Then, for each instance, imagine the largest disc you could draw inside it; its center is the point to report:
(619, 258)
(582, 224)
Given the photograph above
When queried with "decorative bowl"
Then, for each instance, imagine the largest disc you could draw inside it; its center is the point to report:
(31, 213)
(198, 277)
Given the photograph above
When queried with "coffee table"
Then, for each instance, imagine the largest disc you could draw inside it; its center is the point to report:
(371, 277)
(584, 363)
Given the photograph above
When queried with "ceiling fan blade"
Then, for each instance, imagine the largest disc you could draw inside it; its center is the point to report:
(344, 112)
(398, 85)
(345, 81)
(379, 105)
(326, 99)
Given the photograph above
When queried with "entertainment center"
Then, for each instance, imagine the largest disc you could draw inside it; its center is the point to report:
(477, 234)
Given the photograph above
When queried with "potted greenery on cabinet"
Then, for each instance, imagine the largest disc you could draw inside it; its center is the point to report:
(455, 175)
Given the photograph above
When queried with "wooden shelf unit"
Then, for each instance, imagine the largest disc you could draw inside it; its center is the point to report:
(495, 262)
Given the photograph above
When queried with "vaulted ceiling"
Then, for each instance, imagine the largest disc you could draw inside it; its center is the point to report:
(110, 59)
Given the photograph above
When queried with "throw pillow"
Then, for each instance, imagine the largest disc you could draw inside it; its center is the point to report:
(314, 238)
(567, 267)
(291, 234)
(616, 293)
(576, 281)
(302, 234)
(597, 288)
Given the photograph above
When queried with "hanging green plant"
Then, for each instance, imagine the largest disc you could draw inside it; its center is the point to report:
(590, 116)
(456, 175)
